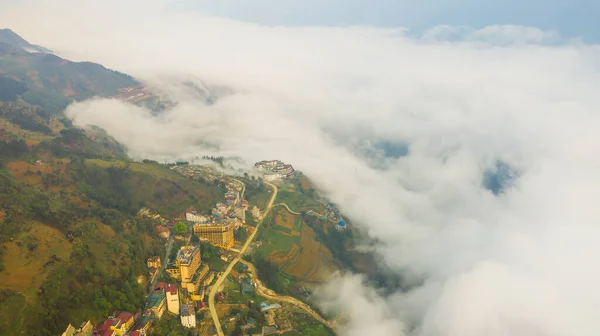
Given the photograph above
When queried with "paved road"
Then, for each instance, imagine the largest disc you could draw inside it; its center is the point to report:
(219, 282)
(162, 268)
(288, 209)
(262, 290)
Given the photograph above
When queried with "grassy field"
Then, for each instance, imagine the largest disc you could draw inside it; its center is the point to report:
(28, 259)
(234, 294)
(163, 190)
(276, 240)
(313, 263)
(293, 245)
(297, 197)
(12, 306)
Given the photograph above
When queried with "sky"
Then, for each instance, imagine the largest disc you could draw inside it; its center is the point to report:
(321, 97)
(576, 18)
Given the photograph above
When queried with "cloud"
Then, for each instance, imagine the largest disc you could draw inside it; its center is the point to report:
(516, 263)
(494, 35)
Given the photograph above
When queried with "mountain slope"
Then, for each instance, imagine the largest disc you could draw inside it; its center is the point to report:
(46, 80)
(10, 37)
(71, 245)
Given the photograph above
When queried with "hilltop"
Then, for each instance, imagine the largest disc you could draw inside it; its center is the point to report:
(10, 37)
(46, 80)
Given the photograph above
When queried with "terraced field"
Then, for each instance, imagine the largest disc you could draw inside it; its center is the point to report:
(294, 247)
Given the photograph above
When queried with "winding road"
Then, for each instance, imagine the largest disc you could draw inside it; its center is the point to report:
(270, 294)
(288, 209)
(223, 276)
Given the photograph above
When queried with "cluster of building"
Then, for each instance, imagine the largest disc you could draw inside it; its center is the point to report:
(193, 274)
(166, 298)
(275, 170)
(332, 215)
(118, 324)
(218, 227)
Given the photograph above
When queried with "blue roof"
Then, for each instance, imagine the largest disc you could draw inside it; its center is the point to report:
(342, 223)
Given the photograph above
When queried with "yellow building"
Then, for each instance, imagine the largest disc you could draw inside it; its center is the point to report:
(220, 235)
(154, 262)
(196, 282)
(174, 272)
(188, 261)
(209, 279)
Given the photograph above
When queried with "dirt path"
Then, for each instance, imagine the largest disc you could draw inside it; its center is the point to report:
(262, 290)
(288, 209)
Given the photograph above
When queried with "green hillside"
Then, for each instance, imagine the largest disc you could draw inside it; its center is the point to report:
(72, 248)
(71, 245)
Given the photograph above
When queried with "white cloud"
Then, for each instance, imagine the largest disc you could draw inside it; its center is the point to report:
(515, 264)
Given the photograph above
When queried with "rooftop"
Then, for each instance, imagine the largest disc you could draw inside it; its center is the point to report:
(156, 299)
(172, 288)
(124, 316)
(186, 254)
(186, 310)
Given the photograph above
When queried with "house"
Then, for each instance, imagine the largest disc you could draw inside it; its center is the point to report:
(188, 316)
(145, 322)
(160, 287)
(158, 304)
(70, 331)
(110, 327)
(163, 231)
(264, 307)
(153, 262)
(126, 320)
(270, 318)
(172, 298)
(269, 330)
(85, 329)
(246, 286)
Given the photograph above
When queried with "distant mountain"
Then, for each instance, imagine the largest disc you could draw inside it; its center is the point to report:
(10, 37)
(48, 81)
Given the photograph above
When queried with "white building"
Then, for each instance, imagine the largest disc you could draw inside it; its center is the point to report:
(172, 298)
(188, 316)
(275, 170)
(193, 217)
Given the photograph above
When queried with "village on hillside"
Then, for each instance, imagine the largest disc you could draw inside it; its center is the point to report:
(184, 293)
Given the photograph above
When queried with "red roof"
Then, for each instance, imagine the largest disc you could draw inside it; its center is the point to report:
(104, 328)
(161, 228)
(124, 316)
(135, 333)
(172, 288)
(160, 286)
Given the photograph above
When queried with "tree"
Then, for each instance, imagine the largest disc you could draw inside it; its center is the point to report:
(180, 228)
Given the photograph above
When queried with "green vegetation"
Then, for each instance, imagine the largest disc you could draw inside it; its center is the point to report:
(337, 242)
(268, 272)
(256, 193)
(241, 234)
(10, 89)
(169, 325)
(72, 246)
(311, 327)
(180, 228)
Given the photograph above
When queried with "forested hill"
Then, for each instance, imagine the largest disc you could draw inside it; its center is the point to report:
(71, 246)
